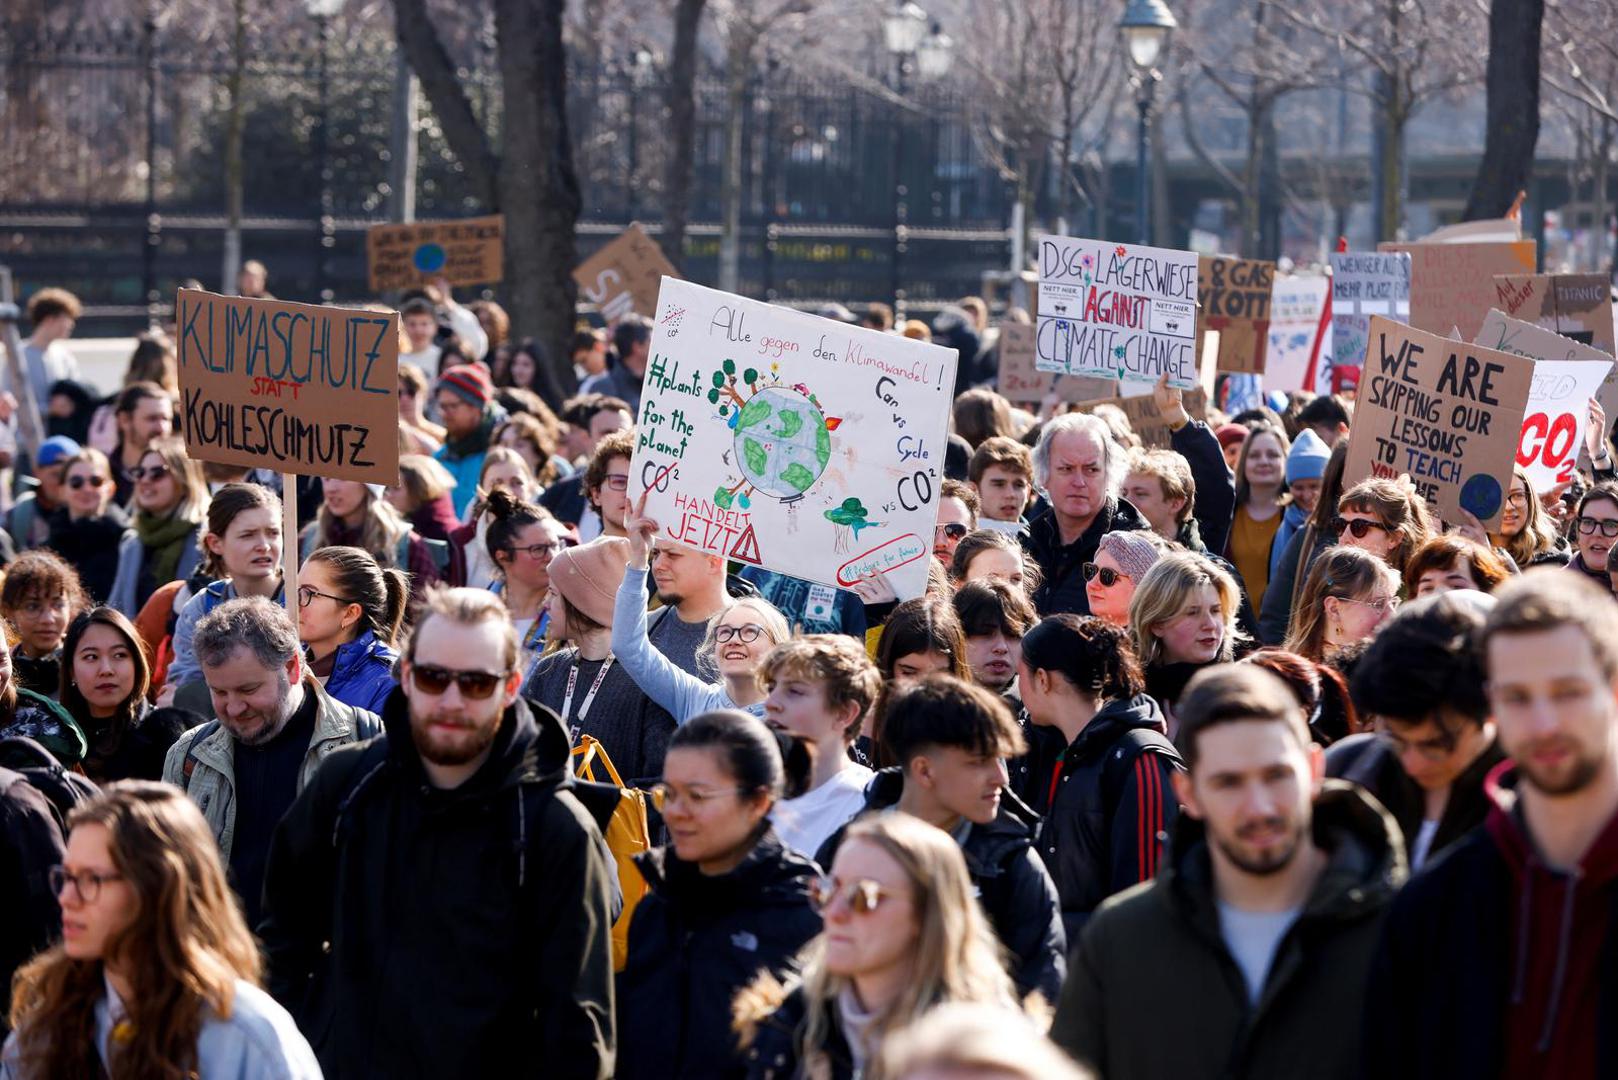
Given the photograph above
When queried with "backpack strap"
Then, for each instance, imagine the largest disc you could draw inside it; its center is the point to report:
(190, 764)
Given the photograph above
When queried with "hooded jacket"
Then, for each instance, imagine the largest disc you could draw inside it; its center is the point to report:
(1063, 564)
(1012, 885)
(1108, 802)
(419, 932)
(694, 943)
(1155, 991)
(1495, 964)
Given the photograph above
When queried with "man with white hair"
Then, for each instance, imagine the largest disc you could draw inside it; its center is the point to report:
(1080, 468)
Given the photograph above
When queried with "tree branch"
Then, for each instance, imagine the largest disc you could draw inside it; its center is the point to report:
(467, 139)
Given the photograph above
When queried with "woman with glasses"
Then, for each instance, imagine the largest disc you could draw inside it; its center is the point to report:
(88, 528)
(903, 935)
(1261, 481)
(353, 514)
(727, 898)
(1387, 518)
(349, 612)
(1182, 618)
(156, 973)
(1528, 533)
(1595, 532)
(522, 539)
(105, 678)
(171, 505)
(1122, 560)
(1350, 593)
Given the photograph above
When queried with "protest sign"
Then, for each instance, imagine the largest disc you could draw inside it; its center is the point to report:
(1021, 383)
(792, 442)
(298, 388)
(465, 252)
(1566, 376)
(1117, 311)
(1578, 306)
(624, 276)
(1146, 420)
(1365, 283)
(1446, 413)
(1298, 319)
(1452, 285)
(1234, 295)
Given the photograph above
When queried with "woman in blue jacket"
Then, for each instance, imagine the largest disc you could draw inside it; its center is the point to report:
(349, 611)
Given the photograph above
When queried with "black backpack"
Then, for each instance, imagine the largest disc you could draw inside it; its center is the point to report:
(64, 790)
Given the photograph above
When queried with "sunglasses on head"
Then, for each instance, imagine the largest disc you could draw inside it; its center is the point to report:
(864, 895)
(148, 472)
(76, 482)
(476, 685)
(954, 530)
(1358, 527)
(1109, 577)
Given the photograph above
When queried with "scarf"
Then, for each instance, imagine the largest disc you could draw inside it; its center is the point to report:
(478, 441)
(164, 540)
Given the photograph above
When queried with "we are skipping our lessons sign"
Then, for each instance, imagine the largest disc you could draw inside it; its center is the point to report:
(792, 442)
(298, 388)
(1117, 311)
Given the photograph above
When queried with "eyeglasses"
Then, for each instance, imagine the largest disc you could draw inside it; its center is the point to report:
(748, 633)
(1359, 526)
(1518, 499)
(148, 472)
(476, 685)
(87, 883)
(538, 551)
(1109, 577)
(664, 796)
(617, 481)
(863, 895)
(76, 482)
(1588, 526)
(954, 530)
(307, 594)
(1383, 604)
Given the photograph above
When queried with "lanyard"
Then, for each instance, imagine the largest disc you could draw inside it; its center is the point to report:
(572, 684)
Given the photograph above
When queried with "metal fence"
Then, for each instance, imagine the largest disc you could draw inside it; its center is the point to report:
(112, 176)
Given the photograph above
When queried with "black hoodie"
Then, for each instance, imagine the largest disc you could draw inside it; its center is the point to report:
(419, 932)
(1013, 887)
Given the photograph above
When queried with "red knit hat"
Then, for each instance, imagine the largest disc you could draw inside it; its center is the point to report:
(470, 381)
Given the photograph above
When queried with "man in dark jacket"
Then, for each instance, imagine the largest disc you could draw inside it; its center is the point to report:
(1501, 958)
(949, 737)
(1248, 955)
(438, 902)
(1080, 469)
(1422, 679)
(31, 844)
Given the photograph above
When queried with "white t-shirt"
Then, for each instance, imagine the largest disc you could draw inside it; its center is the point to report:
(1252, 938)
(808, 821)
(1424, 843)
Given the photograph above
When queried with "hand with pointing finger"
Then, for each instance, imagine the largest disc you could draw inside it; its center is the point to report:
(642, 531)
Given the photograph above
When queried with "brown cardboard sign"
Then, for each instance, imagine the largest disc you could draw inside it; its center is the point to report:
(466, 252)
(298, 388)
(1234, 296)
(1144, 417)
(1023, 384)
(1443, 412)
(1577, 306)
(625, 275)
(1452, 285)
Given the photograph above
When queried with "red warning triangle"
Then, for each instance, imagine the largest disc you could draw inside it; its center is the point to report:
(746, 549)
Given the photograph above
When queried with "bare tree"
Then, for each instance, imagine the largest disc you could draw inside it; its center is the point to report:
(1511, 81)
(682, 102)
(1581, 68)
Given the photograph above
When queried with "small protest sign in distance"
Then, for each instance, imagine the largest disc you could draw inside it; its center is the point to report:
(468, 251)
(624, 276)
(1234, 297)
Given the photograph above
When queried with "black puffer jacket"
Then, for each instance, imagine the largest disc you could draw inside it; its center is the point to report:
(1063, 564)
(771, 1015)
(694, 943)
(1013, 886)
(419, 932)
(1109, 803)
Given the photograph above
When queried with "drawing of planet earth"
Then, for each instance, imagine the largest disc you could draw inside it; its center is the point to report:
(782, 443)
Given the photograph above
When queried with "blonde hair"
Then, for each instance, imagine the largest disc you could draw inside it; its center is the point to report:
(1161, 594)
(100, 465)
(1538, 534)
(1172, 473)
(384, 528)
(194, 498)
(769, 617)
(424, 477)
(963, 1040)
(835, 661)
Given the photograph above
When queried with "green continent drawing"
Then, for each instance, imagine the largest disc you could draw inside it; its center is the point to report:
(782, 445)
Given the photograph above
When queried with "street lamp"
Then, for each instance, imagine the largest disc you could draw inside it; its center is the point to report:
(640, 76)
(322, 11)
(1146, 26)
(905, 34)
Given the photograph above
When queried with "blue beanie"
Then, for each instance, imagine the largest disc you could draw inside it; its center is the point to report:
(1308, 458)
(54, 450)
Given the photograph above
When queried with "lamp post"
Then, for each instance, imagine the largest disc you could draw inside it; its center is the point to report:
(906, 37)
(1146, 26)
(154, 223)
(640, 75)
(322, 11)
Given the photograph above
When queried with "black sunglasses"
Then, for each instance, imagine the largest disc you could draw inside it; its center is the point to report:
(1361, 526)
(148, 472)
(76, 482)
(476, 685)
(1588, 525)
(1109, 577)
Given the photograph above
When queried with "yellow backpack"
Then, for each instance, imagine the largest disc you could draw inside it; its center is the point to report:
(627, 836)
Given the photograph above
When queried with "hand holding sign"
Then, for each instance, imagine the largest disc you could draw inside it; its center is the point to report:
(1595, 432)
(1170, 403)
(642, 531)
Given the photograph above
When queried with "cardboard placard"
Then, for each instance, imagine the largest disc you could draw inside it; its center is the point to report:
(1021, 383)
(1145, 418)
(1452, 285)
(1299, 317)
(1567, 375)
(624, 276)
(1446, 413)
(298, 388)
(792, 442)
(1234, 299)
(1577, 306)
(470, 251)
(1365, 283)
(1120, 312)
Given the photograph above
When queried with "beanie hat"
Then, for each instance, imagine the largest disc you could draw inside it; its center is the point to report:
(1229, 434)
(1133, 551)
(1307, 460)
(54, 450)
(469, 381)
(588, 577)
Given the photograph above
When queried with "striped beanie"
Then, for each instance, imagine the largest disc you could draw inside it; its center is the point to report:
(469, 381)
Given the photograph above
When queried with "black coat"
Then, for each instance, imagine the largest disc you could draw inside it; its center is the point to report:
(1013, 886)
(1213, 507)
(417, 932)
(90, 546)
(1063, 564)
(770, 1040)
(30, 844)
(1113, 803)
(696, 941)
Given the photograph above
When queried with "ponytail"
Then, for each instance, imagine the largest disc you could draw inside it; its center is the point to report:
(397, 587)
(380, 593)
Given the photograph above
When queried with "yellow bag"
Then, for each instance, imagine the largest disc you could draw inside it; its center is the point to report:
(627, 836)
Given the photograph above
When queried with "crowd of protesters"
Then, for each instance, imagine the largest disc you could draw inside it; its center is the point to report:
(1199, 759)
